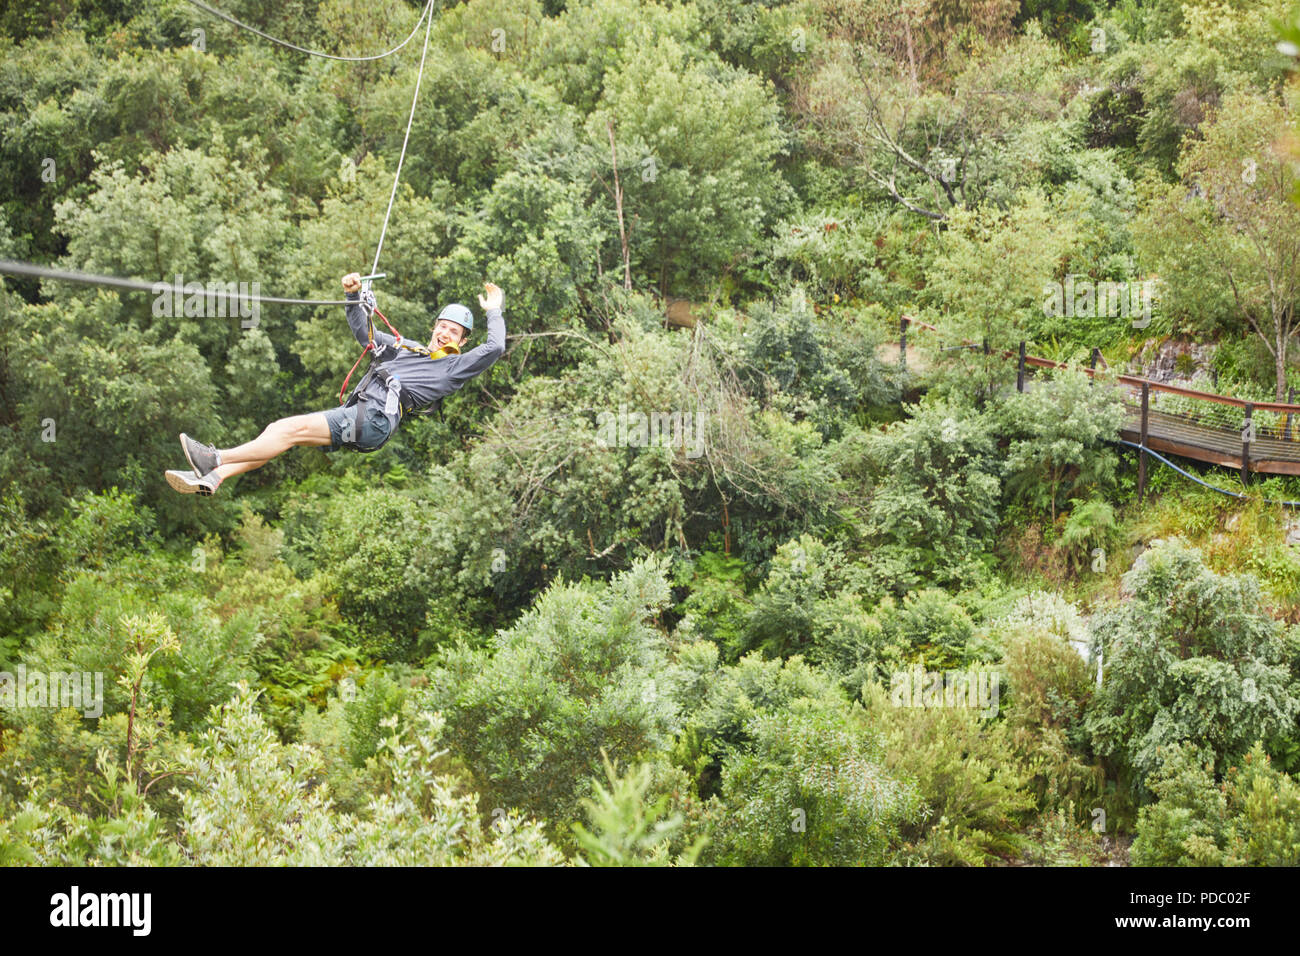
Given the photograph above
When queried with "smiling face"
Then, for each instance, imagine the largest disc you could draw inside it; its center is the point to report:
(447, 331)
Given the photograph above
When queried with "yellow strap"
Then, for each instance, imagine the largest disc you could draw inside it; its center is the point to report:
(444, 352)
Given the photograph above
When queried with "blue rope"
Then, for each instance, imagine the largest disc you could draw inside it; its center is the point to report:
(1223, 491)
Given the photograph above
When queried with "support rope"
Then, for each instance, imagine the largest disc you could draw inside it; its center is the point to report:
(428, 7)
(405, 139)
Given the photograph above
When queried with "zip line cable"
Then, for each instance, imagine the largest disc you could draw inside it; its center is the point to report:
(1223, 491)
(328, 56)
(13, 267)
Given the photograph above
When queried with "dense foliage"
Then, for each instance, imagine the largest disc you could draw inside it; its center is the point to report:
(703, 571)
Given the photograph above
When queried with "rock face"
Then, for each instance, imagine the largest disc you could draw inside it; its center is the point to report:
(1293, 533)
(1174, 361)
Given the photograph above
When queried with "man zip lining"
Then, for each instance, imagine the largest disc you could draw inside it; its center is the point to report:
(404, 377)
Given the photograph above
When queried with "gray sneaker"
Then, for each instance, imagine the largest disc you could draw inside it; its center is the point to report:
(188, 483)
(202, 458)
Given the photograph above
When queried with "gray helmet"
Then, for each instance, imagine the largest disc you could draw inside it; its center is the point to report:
(459, 314)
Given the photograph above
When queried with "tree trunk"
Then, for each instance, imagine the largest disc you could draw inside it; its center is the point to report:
(618, 203)
(1279, 367)
(911, 55)
(1283, 319)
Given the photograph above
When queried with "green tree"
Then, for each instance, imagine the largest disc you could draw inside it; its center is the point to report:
(1230, 224)
(251, 802)
(1191, 656)
(1061, 430)
(985, 298)
(582, 670)
(718, 704)
(590, 40)
(699, 142)
(1048, 689)
(934, 493)
(813, 790)
(808, 606)
(628, 826)
(973, 790)
(106, 412)
(205, 215)
(1251, 819)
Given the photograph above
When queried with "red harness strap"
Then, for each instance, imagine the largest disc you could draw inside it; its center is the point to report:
(344, 387)
(396, 334)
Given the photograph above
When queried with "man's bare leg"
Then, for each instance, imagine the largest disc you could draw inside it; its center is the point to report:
(277, 438)
(224, 471)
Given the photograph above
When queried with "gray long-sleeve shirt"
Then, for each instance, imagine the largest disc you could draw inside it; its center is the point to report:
(425, 380)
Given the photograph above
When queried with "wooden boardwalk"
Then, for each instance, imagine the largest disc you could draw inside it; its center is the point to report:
(1215, 429)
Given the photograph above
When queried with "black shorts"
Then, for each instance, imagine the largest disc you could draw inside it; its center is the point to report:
(367, 435)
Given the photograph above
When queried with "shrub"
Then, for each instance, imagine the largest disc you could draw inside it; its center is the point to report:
(974, 790)
(1251, 819)
(579, 672)
(935, 495)
(1191, 656)
(812, 791)
(629, 826)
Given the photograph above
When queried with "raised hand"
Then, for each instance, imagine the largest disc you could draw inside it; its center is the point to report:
(494, 297)
(352, 282)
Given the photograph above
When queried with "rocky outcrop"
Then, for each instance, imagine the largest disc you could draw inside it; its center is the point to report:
(1174, 360)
